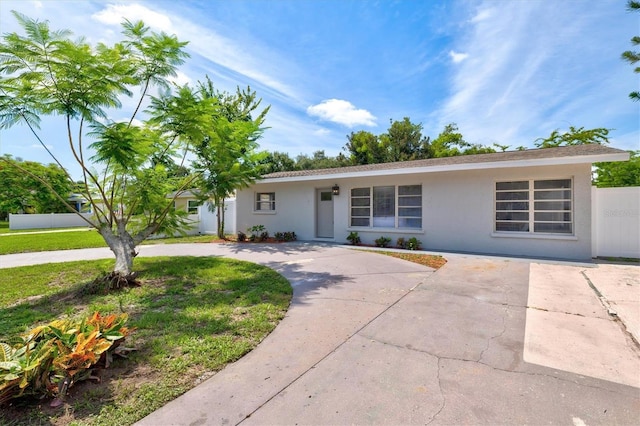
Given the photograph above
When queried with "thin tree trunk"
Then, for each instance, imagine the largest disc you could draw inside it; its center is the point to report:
(221, 219)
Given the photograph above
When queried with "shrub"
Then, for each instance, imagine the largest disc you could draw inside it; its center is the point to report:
(52, 357)
(285, 236)
(258, 233)
(414, 244)
(242, 236)
(401, 243)
(353, 238)
(383, 241)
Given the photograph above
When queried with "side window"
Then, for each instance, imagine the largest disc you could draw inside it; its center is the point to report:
(265, 201)
(192, 206)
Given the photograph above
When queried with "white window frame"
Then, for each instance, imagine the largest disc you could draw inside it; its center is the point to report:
(397, 208)
(266, 200)
(533, 210)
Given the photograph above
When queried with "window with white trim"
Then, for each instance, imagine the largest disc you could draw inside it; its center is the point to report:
(265, 201)
(192, 206)
(386, 206)
(534, 206)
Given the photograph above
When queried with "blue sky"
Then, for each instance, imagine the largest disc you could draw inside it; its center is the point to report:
(506, 72)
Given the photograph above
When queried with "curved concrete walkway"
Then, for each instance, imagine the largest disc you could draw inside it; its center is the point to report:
(371, 339)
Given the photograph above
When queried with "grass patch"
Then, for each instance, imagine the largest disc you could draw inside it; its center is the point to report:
(429, 260)
(193, 316)
(28, 243)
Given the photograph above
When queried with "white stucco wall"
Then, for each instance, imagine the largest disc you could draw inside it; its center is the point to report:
(457, 211)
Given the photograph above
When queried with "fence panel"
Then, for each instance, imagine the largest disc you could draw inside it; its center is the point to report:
(615, 222)
(48, 220)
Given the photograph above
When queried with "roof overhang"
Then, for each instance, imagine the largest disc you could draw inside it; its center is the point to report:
(538, 162)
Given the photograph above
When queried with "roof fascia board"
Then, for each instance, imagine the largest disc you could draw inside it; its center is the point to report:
(582, 159)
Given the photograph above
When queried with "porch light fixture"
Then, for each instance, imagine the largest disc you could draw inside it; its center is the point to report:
(335, 189)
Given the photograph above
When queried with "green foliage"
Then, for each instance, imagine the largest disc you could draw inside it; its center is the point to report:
(353, 238)
(411, 244)
(618, 173)
(224, 139)
(25, 187)
(258, 233)
(319, 160)
(633, 56)
(414, 244)
(449, 143)
(574, 136)
(403, 141)
(365, 148)
(128, 193)
(193, 316)
(62, 351)
(286, 236)
(273, 162)
(382, 241)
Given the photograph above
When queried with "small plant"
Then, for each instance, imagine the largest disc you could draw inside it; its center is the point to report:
(257, 232)
(62, 352)
(242, 237)
(285, 236)
(383, 241)
(414, 244)
(401, 243)
(353, 238)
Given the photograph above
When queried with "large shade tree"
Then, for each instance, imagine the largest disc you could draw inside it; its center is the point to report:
(46, 73)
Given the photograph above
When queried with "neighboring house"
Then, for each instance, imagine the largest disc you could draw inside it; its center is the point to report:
(524, 203)
(186, 201)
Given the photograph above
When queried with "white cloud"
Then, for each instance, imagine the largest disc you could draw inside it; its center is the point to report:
(527, 76)
(114, 14)
(321, 132)
(457, 57)
(181, 79)
(341, 112)
(482, 15)
(37, 4)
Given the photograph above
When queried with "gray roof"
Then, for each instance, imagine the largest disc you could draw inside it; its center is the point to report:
(588, 150)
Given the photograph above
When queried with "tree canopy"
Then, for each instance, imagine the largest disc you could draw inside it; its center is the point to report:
(31, 192)
(125, 178)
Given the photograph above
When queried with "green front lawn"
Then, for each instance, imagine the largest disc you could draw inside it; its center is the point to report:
(33, 242)
(193, 316)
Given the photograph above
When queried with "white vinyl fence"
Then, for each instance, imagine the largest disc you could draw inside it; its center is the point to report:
(615, 222)
(209, 221)
(48, 220)
(204, 222)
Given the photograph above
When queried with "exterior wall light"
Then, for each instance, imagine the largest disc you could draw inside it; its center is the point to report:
(335, 189)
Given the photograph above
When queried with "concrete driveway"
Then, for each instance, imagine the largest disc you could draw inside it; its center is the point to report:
(370, 339)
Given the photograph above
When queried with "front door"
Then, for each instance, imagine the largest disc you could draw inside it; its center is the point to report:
(324, 213)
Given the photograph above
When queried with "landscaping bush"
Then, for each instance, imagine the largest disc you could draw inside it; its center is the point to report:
(383, 241)
(258, 233)
(401, 243)
(414, 244)
(285, 236)
(353, 238)
(52, 357)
